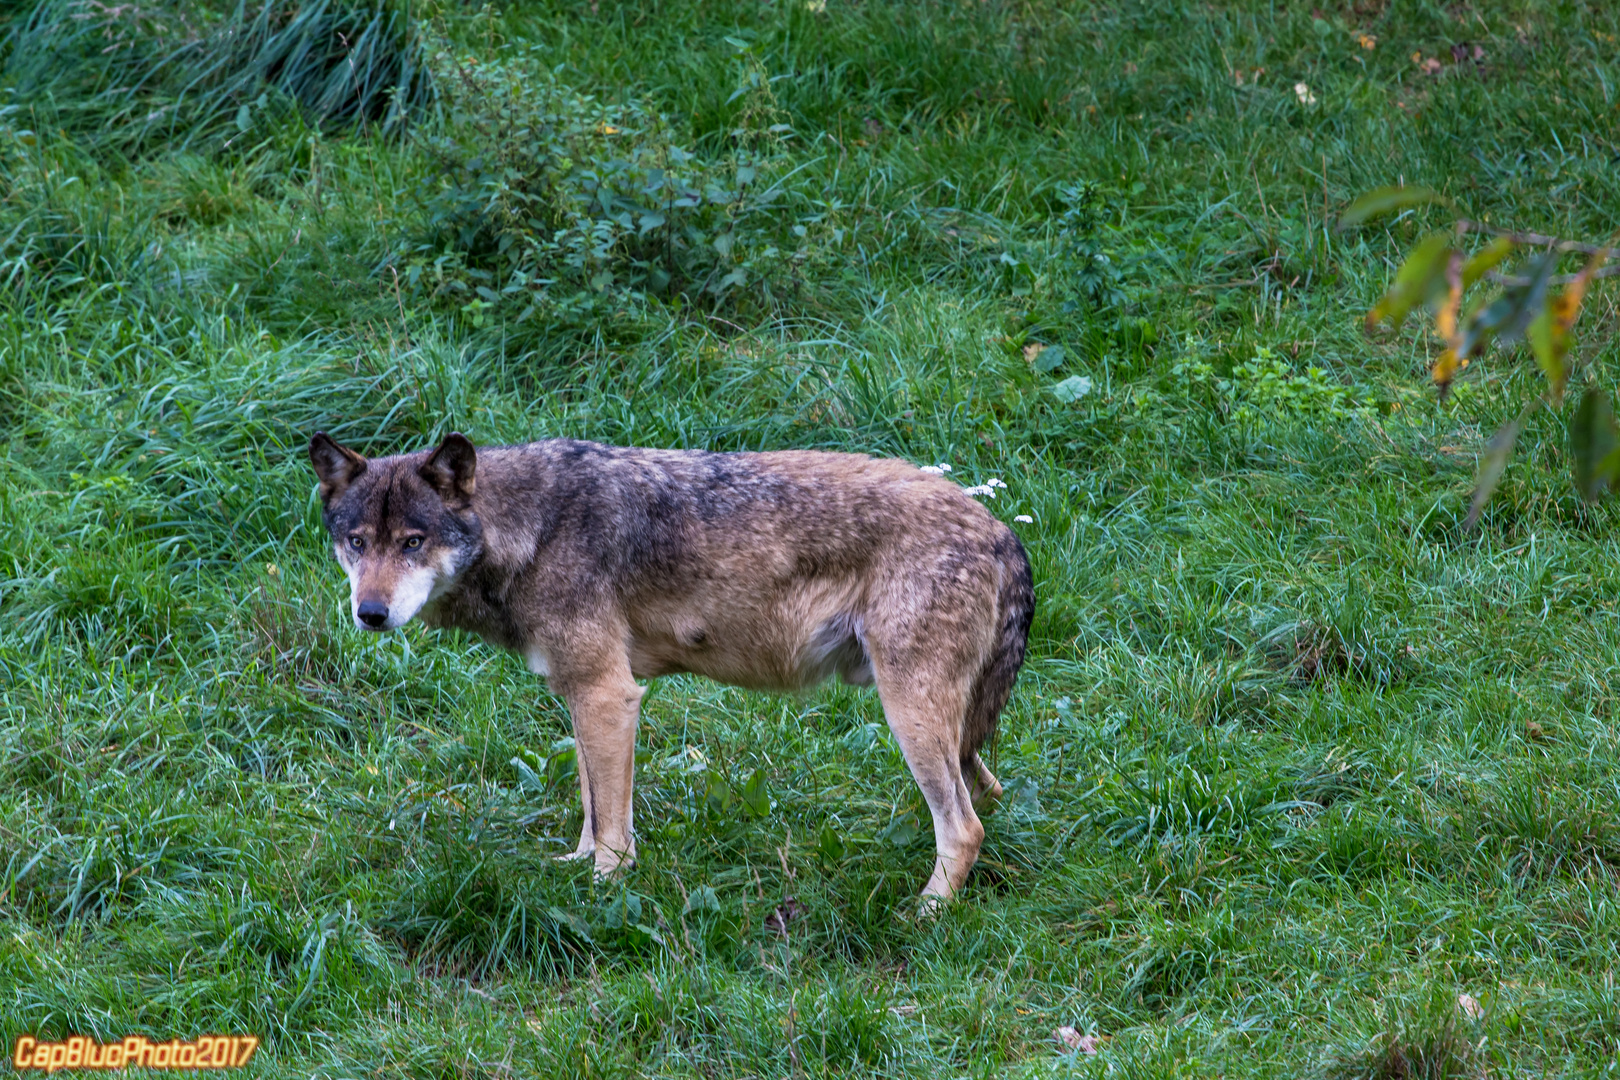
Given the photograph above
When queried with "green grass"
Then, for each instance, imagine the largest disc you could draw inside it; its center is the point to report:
(1296, 760)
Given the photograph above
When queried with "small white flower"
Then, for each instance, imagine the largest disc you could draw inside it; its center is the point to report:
(980, 489)
(1025, 518)
(936, 470)
(1304, 94)
(993, 482)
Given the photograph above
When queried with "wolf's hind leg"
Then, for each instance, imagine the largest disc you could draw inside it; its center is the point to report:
(605, 709)
(926, 718)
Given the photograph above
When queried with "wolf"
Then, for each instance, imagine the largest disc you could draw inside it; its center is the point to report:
(603, 565)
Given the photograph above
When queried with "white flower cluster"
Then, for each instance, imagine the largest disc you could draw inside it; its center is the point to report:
(988, 488)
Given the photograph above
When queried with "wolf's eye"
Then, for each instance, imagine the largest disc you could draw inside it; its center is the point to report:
(357, 544)
(413, 543)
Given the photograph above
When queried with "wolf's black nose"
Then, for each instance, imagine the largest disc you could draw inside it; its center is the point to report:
(373, 614)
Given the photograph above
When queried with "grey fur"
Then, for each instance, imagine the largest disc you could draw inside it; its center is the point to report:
(774, 571)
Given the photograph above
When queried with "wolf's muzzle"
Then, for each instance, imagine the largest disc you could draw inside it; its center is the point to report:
(373, 613)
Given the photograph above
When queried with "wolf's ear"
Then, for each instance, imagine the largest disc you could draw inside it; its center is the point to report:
(336, 465)
(450, 471)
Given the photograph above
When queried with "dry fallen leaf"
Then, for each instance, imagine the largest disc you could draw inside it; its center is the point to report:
(1086, 1044)
(788, 910)
(1367, 41)
(1470, 1007)
(1032, 350)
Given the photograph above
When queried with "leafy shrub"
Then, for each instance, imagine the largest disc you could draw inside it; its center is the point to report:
(545, 199)
(1263, 386)
(126, 76)
(1093, 280)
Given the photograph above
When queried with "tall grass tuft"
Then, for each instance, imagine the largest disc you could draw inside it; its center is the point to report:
(136, 78)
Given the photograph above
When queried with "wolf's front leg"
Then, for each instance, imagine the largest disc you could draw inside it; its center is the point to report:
(605, 707)
(540, 664)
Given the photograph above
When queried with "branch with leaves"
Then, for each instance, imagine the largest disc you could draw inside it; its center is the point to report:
(1534, 304)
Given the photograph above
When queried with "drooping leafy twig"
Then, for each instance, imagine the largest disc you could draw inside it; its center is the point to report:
(1552, 243)
(1535, 305)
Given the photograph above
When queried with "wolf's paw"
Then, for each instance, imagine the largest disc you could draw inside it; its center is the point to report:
(986, 789)
(610, 863)
(573, 856)
(925, 910)
(986, 799)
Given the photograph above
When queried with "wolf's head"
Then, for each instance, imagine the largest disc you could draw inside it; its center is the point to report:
(403, 527)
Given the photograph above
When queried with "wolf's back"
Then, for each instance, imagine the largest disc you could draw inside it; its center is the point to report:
(1015, 608)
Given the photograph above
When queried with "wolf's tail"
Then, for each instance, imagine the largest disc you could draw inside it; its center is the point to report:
(1015, 608)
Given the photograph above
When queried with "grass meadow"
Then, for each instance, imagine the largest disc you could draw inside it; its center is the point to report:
(1303, 778)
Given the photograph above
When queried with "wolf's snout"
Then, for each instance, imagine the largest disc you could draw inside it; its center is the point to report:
(373, 613)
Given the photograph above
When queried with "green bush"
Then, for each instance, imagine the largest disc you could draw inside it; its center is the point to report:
(1082, 268)
(1262, 387)
(542, 199)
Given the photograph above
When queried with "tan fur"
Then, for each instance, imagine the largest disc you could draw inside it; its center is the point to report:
(772, 571)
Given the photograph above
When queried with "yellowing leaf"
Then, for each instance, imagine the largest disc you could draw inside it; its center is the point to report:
(1485, 260)
(1445, 317)
(1414, 281)
(1549, 332)
(1576, 291)
(1386, 199)
(1445, 370)
(1550, 342)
